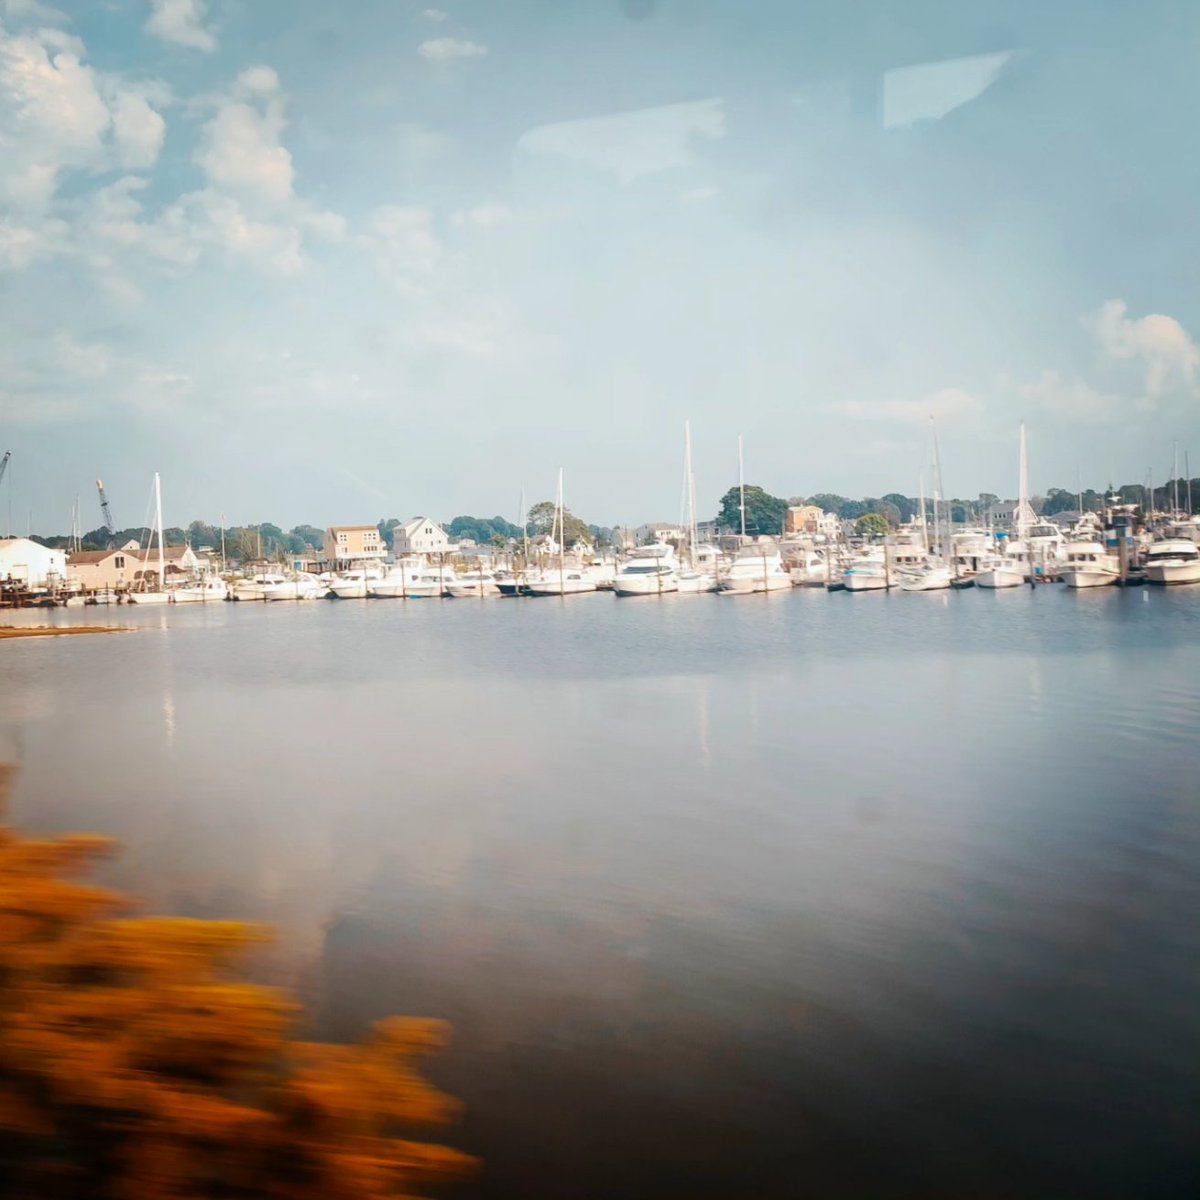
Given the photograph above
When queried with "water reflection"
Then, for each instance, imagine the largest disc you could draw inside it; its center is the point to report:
(714, 893)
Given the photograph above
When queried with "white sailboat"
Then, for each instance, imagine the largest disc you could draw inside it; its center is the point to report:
(562, 580)
(159, 595)
(1011, 569)
(692, 579)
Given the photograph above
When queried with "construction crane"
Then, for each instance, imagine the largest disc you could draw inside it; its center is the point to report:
(4, 464)
(109, 523)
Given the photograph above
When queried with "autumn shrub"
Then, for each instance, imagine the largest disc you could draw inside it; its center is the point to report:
(136, 1063)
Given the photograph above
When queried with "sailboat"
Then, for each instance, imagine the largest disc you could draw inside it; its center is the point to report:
(564, 580)
(933, 574)
(1011, 569)
(160, 595)
(694, 579)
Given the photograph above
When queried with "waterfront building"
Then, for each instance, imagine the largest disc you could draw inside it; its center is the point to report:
(420, 536)
(120, 567)
(31, 563)
(353, 543)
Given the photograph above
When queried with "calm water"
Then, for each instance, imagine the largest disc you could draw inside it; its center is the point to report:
(800, 895)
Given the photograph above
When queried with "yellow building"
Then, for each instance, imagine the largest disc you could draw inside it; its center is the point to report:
(354, 543)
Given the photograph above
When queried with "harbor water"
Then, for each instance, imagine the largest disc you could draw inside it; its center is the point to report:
(775, 896)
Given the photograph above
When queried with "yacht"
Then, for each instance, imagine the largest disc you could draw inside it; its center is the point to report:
(473, 585)
(1174, 561)
(209, 588)
(1088, 565)
(806, 568)
(355, 584)
(755, 569)
(648, 571)
(694, 582)
(866, 571)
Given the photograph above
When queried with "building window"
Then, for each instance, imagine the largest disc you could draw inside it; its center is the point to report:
(119, 561)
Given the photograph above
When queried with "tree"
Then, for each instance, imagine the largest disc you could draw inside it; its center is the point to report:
(905, 505)
(765, 514)
(541, 520)
(871, 524)
(887, 510)
(828, 501)
(135, 1062)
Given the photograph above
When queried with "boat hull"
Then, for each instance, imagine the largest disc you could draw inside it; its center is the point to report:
(1000, 577)
(645, 586)
(149, 597)
(864, 583)
(1173, 573)
(694, 585)
(751, 586)
(564, 587)
(472, 591)
(1079, 577)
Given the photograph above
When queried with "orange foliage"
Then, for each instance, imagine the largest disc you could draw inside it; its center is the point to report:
(135, 1065)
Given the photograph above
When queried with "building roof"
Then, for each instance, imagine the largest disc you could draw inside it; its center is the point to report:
(91, 557)
(353, 528)
(417, 522)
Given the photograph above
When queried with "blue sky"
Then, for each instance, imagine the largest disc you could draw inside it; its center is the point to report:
(319, 263)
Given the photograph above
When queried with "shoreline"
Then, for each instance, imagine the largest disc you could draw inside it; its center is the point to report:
(17, 631)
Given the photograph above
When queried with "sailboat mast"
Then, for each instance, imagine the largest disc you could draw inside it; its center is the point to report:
(690, 483)
(941, 490)
(1187, 470)
(562, 532)
(742, 485)
(162, 566)
(921, 503)
(1023, 485)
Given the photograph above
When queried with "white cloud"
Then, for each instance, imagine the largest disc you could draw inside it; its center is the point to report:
(181, 22)
(475, 338)
(241, 149)
(1170, 356)
(59, 116)
(483, 216)
(1072, 398)
(929, 91)
(28, 12)
(447, 48)
(949, 404)
(436, 15)
(421, 143)
(82, 360)
(633, 144)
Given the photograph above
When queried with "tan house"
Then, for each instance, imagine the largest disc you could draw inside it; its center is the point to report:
(128, 566)
(354, 543)
(811, 518)
(420, 536)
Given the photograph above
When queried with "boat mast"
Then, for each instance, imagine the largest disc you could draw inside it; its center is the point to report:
(941, 491)
(562, 535)
(690, 484)
(1187, 470)
(162, 567)
(921, 503)
(1023, 486)
(741, 485)
(1175, 484)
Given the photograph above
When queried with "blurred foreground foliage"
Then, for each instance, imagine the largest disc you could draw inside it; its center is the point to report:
(136, 1065)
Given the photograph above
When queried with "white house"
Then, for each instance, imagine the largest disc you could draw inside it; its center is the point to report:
(420, 536)
(1004, 514)
(31, 563)
(658, 531)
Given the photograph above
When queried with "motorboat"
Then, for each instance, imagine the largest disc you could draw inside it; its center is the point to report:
(1088, 565)
(413, 581)
(300, 586)
(566, 581)
(648, 571)
(209, 588)
(1175, 560)
(806, 568)
(1007, 570)
(755, 569)
(928, 577)
(473, 585)
(694, 583)
(866, 571)
(257, 586)
(355, 584)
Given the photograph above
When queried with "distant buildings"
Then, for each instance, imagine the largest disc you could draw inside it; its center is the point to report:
(1004, 514)
(811, 518)
(353, 543)
(31, 563)
(125, 566)
(656, 531)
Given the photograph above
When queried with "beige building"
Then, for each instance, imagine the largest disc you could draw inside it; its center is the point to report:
(811, 518)
(354, 543)
(128, 566)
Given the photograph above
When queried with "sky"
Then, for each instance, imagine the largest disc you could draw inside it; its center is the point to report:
(327, 264)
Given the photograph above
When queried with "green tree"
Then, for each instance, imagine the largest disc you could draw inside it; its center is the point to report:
(905, 505)
(765, 514)
(888, 511)
(541, 519)
(828, 501)
(871, 524)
